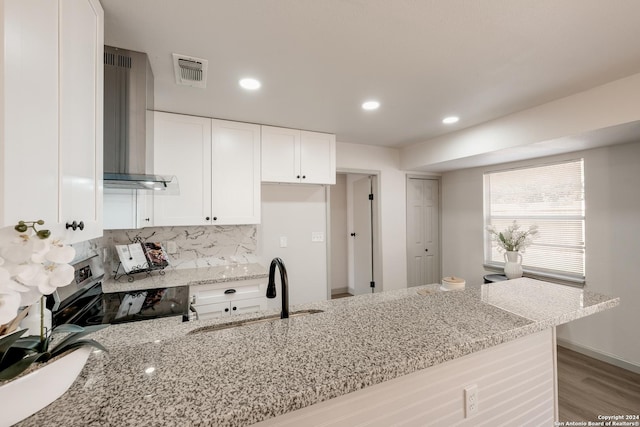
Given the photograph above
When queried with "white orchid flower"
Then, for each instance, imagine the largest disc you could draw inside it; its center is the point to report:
(16, 247)
(30, 267)
(59, 253)
(58, 275)
(8, 284)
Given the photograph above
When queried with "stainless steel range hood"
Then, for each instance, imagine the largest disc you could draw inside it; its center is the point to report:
(128, 122)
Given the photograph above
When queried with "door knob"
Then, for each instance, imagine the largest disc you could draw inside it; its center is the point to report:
(353, 234)
(426, 250)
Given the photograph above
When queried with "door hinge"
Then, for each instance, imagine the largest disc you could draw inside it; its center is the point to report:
(370, 196)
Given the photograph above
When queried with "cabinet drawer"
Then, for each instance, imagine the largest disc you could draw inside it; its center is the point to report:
(228, 293)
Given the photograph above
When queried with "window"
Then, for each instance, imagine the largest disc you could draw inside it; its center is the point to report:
(550, 196)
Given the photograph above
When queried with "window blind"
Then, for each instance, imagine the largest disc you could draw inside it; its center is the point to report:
(550, 196)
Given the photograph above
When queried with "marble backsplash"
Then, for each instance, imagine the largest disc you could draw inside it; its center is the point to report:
(196, 246)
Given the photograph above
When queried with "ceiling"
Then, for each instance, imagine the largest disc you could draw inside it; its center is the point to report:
(318, 60)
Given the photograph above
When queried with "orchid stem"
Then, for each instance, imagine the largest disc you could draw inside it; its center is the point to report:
(42, 319)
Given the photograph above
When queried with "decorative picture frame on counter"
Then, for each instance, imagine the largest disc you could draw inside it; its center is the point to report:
(140, 257)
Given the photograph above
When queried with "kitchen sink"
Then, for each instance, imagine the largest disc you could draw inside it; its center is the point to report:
(271, 318)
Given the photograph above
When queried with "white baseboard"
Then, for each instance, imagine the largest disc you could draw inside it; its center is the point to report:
(599, 355)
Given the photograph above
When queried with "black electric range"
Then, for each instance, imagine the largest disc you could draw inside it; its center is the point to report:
(84, 303)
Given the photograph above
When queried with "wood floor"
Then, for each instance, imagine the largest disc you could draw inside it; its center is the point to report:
(344, 295)
(588, 387)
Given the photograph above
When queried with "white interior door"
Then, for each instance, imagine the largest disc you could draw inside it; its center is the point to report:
(362, 260)
(423, 232)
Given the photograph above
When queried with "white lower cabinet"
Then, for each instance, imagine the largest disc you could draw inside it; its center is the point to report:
(229, 298)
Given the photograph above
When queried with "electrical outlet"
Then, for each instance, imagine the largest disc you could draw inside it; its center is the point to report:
(470, 400)
(317, 236)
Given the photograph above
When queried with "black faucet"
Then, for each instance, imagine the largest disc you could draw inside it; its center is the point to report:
(284, 282)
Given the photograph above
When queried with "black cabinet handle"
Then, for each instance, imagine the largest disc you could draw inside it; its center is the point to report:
(226, 310)
(74, 225)
(353, 234)
(426, 250)
(215, 218)
(230, 291)
(207, 218)
(304, 176)
(235, 308)
(147, 219)
(298, 176)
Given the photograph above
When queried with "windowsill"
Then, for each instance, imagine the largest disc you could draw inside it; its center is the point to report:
(554, 278)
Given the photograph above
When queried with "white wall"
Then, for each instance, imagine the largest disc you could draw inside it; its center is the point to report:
(295, 211)
(392, 218)
(612, 183)
(339, 233)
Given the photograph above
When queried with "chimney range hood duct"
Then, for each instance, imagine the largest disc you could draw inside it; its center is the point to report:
(128, 122)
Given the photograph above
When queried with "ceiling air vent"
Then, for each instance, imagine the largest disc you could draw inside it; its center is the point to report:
(190, 71)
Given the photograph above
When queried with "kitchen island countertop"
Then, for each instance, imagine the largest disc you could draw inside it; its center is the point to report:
(158, 374)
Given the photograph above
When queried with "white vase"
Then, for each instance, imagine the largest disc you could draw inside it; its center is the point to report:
(26, 395)
(32, 321)
(512, 264)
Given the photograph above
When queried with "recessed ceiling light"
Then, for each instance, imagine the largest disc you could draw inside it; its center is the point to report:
(250, 84)
(451, 119)
(370, 105)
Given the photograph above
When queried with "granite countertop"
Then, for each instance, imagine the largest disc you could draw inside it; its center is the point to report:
(239, 376)
(179, 277)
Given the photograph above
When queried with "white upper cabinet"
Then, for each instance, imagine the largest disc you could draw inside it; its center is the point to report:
(51, 129)
(217, 164)
(291, 155)
(280, 154)
(235, 173)
(126, 209)
(317, 157)
(182, 145)
(81, 98)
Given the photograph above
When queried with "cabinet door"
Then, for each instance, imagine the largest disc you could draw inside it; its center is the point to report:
(208, 311)
(29, 87)
(235, 173)
(318, 157)
(248, 305)
(120, 209)
(182, 146)
(126, 209)
(280, 154)
(80, 116)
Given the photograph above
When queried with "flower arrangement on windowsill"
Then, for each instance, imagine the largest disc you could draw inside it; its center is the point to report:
(513, 239)
(32, 264)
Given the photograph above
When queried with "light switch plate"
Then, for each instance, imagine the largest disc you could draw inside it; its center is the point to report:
(172, 247)
(317, 236)
(283, 242)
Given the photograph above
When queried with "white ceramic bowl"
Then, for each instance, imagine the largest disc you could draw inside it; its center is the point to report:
(451, 283)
